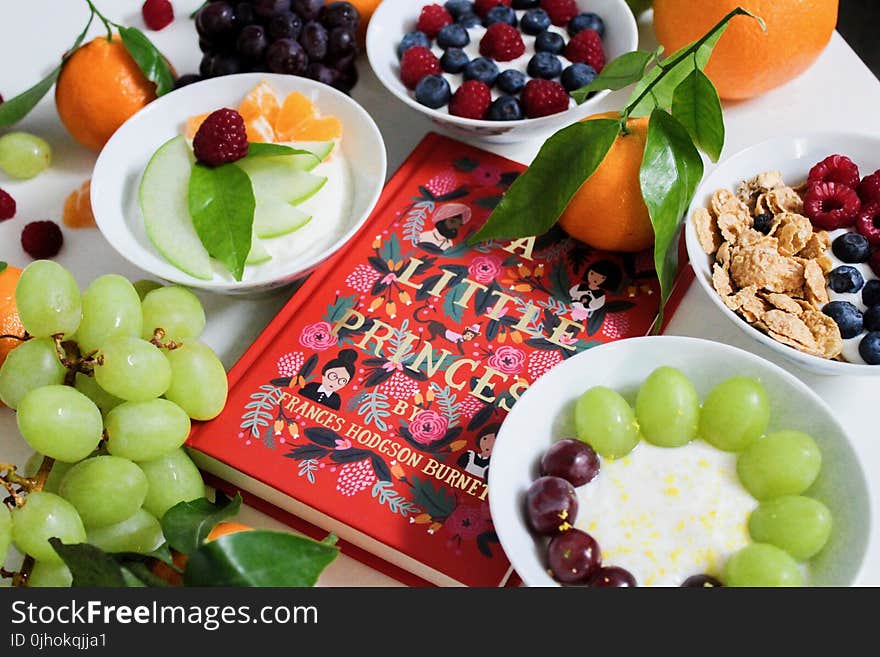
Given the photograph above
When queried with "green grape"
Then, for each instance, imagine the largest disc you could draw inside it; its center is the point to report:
(29, 366)
(5, 532)
(104, 489)
(606, 422)
(799, 525)
(23, 155)
(46, 574)
(133, 369)
(173, 478)
(176, 310)
(44, 516)
(782, 463)
(762, 565)
(735, 414)
(89, 387)
(144, 286)
(668, 408)
(56, 474)
(140, 533)
(198, 381)
(144, 431)
(110, 307)
(60, 422)
(48, 300)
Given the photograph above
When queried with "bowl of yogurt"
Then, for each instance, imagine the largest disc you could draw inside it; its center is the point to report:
(351, 176)
(665, 514)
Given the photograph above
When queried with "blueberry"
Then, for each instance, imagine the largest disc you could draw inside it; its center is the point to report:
(852, 248)
(413, 39)
(871, 293)
(454, 60)
(469, 20)
(535, 21)
(845, 279)
(869, 348)
(500, 14)
(849, 319)
(459, 7)
(872, 319)
(453, 36)
(550, 42)
(586, 21)
(763, 223)
(511, 81)
(481, 69)
(505, 108)
(433, 91)
(525, 4)
(544, 65)
(577, 76)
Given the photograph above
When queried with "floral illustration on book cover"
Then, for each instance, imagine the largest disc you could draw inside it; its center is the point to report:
(379, 401)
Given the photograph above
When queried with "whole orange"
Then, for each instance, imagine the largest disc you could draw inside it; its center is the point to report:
(365, 9)
(608, 211)
(224, 528)
(164, 571)
(747, 62)
(10, 322)
(99, 88)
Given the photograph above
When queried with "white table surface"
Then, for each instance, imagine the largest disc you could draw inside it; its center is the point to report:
(838, 92)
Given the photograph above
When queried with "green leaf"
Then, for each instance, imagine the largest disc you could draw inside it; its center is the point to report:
(617, 74)
(564, 163)
(671, 170)
(259, 558)
(89, 565)
(697, 107)
(187, 524)
(151, 62)
(3, 266)
(221, 203)
(260, 149)
(330, 539)
(137, 573)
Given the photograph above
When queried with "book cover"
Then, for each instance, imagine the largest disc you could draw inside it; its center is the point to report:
(370, 405)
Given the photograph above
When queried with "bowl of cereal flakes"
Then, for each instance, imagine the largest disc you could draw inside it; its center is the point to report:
(784, 237)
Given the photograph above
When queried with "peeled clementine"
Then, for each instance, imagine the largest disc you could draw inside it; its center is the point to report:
(99, 88)
(608, 211)
(10, 322)
(78, 207)
(747, 62)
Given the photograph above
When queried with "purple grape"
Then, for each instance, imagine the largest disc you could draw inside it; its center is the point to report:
(206, 65)
(612, 577)
(341, 62)
(573, 556)
(252, 42)
(551, 505)
(216, 20)
(347, 79)
(322, 73)
(225, 64)
(340, 14)
(185, 80)
(285, 26)
(701, 582)
(269, 8)
(574, 461)
(340, 41)
(307, 9)
(206, 45)
(287, 56)
(244, 13)
(314, 40)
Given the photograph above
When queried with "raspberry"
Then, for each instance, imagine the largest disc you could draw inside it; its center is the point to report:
(157, 14)
(831, 205)
(869, 188)
(7, 206)
(836, 169)
(586, 47)
(560, 11)
(42, 239)
(502, 42)
(868, 222)
(221, 138)
(432, 19)
(416, 63)
(482, 7)
(471, 100)
(544, 97)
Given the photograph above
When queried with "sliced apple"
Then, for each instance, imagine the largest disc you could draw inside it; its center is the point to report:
(163, 197)
(258, 254)
(274, 217)
(321, 149)
(274, 177)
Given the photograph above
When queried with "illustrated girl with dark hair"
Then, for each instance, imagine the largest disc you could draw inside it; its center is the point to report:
(476, 462)
(336, 374)
(588, 296)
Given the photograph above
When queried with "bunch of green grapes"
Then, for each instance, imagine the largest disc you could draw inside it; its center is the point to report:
(106, 386)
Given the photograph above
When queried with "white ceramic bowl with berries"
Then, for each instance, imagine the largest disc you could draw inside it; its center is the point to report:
(793, 156)
(545, 415)
(395, 18)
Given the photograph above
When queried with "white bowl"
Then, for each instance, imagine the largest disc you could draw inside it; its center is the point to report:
(793, 156)
(543, 415)
(394, 18)
(122, 162)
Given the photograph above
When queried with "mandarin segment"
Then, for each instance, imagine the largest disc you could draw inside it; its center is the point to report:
(295, 110)
(259, 129)
(193, 124)
(324, 128)
(78, 207)
(261, 101)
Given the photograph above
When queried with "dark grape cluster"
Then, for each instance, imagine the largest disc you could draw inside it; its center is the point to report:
(309, 38)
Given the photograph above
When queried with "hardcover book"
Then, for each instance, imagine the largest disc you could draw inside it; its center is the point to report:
(369, 407)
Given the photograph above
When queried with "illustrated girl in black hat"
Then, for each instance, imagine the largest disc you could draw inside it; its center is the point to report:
(588, 296)
(336, 374)
(476, 462)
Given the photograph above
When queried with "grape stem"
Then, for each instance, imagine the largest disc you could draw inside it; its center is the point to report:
(156, 340)
(70, 357)
(31, 485)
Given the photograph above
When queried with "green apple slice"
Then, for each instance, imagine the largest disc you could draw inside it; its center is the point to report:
(275, 178)
(321, 149)
(258, 254)
(163, 197)
(274, 217)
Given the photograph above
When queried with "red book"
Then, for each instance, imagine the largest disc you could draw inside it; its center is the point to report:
(369, 406)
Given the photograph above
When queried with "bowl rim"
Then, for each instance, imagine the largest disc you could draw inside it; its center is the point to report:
(507, 432)
(385, 76)
(108, 223)
(814, 363)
